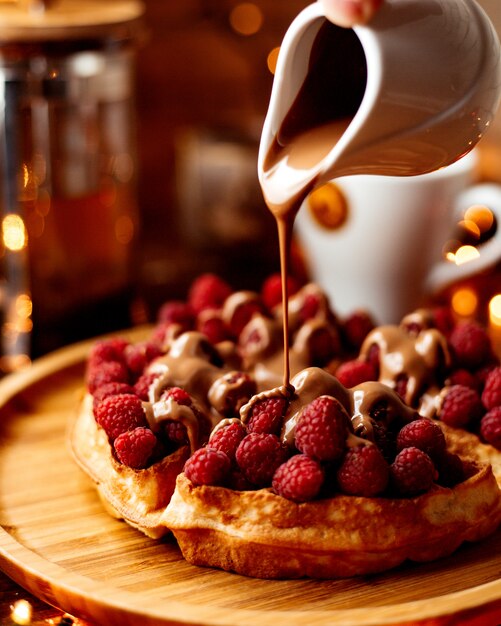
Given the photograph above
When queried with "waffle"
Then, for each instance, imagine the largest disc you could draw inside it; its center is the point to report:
(137, 496)
(260, 534)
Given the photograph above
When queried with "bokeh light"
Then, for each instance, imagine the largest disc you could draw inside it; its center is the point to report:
(14, 232)
(495, 310)
(464, 301)
(246, 18)
(272, 59)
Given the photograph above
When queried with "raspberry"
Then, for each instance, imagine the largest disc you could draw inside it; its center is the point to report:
(164, 332)
(463, 377)
(363, 472)
(108, 350)
(180, 396)
(266, 415)
(450, 470)
(423, 434)
(384, 440)
(490, 427)
(143, 383)
(207, 467)
(310, 307)
(118, 414)
(106, 372)
(412, 472)
(271, 291)
(470, 344)
(237, 481)
(242, 315)
(111, 389)
(322, 428)
(259, 455)
(401, 383)
(299, 479)
(374, 357)
(211, 324)
(356, 327)
(177, 312)
(208, 291)
(461, 406)
(137, 356)
(231, 391)
(176, 432)
(323, 345)
(443, 320)
(491, 395)
(352, 373)
(482, 373)
(135, 447)
(227, 438)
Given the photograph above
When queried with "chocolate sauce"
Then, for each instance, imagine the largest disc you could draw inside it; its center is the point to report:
(328, 99)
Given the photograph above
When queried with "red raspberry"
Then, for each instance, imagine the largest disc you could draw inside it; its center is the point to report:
(207, 467)
(401, 383)
(231, 391)
(490, 427)
(443, 320)
(450, 470)
(118, 414)
(242, 315)
(227, 438)
(374, 357)
(142, 385)
(176, 432)
(423, 434)
(211, 324)
(463, 377)
(461, 406)
(356, 327)
(299, 479)
(412, 472)
(323, 345)
(352, 373)
(271, 291)
(384, 439)
(259, 455)
(208, 291)
(491, 395)
(322, 428)
(177, 312)
(363, 472)
(482, 373)
(312, 304)
(139, 355)
(470, 344)
(111, 389)
(164, 332)
(108, 350)
(134, 448)
(238, 481)
(180, 396)
(106, 372)
(266, 415)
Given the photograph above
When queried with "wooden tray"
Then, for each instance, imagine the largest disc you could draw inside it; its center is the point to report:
(57, 542)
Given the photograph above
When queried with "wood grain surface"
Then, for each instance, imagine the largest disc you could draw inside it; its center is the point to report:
(57, 542)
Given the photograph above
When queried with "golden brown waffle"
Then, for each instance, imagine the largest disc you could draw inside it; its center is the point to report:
(137, 496)
(260, 534)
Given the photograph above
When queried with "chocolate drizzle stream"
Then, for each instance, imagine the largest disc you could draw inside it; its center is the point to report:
(328, 99)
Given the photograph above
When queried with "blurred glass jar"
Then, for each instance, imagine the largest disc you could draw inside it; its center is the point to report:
(67, 170)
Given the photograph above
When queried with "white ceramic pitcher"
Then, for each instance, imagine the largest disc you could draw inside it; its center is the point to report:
(433, 80)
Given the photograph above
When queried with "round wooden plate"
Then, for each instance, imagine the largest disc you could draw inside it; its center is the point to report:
(57, 542)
